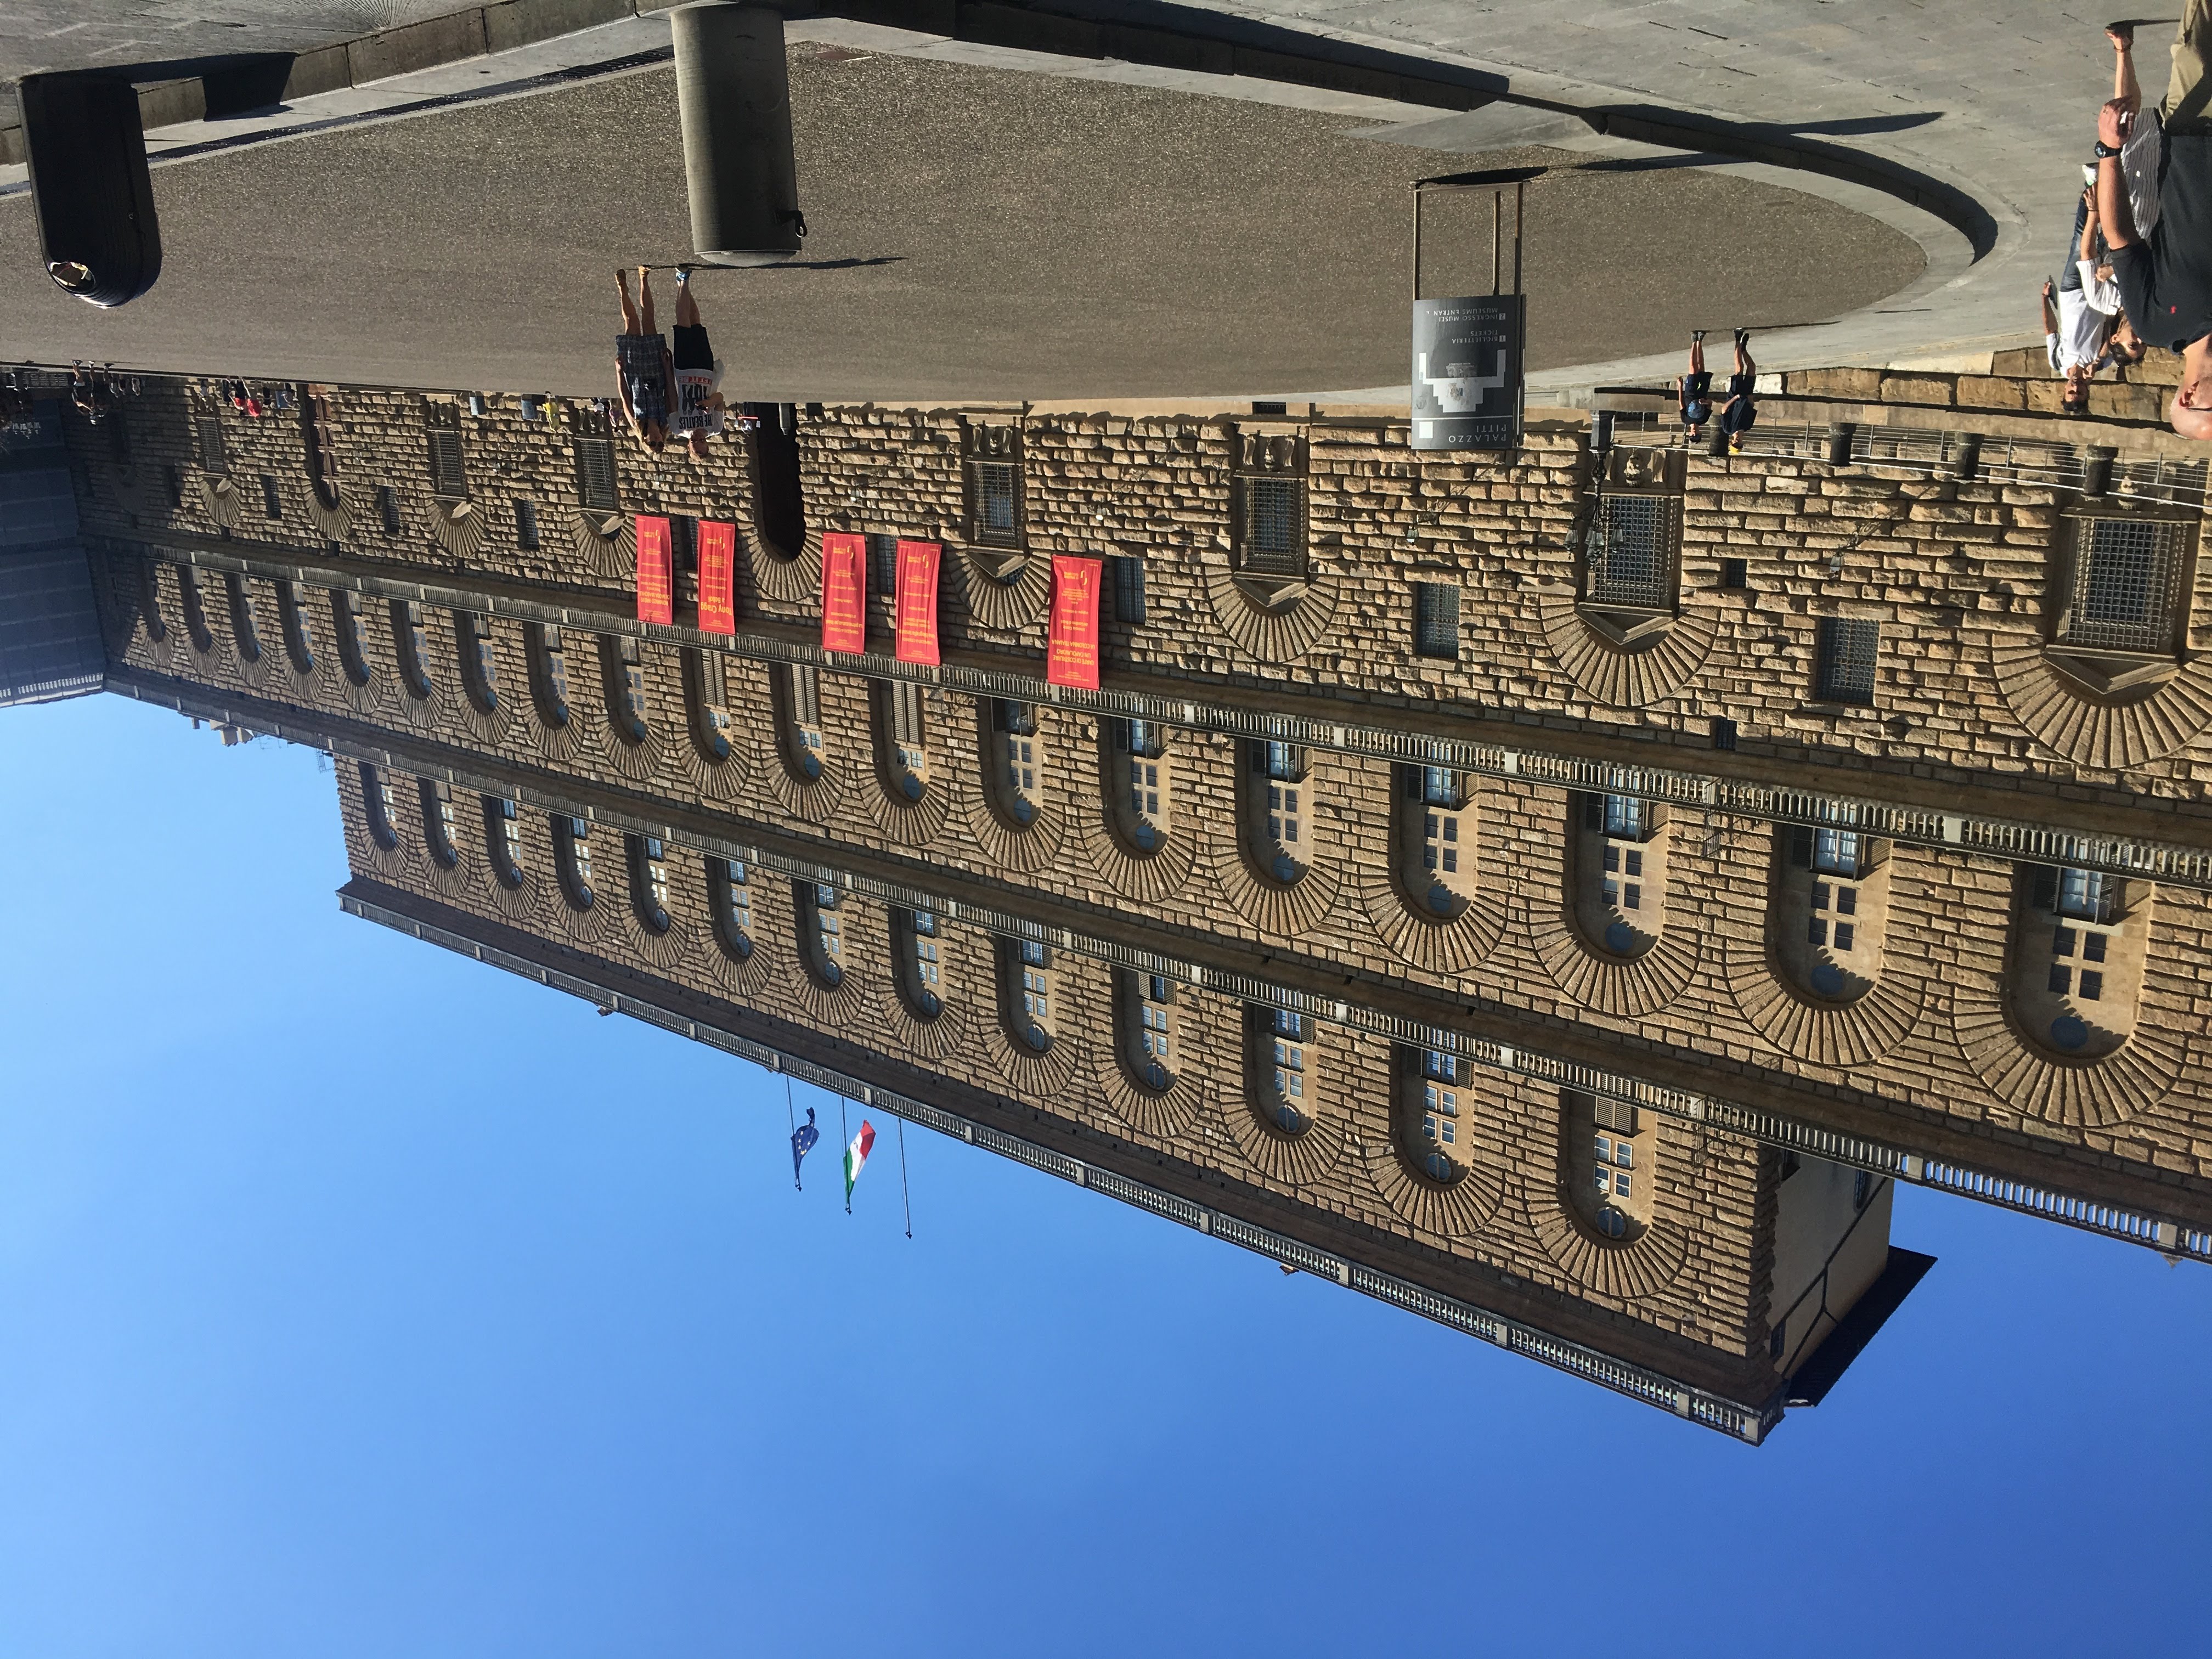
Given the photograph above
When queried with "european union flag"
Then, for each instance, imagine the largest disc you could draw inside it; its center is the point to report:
(802, 1142)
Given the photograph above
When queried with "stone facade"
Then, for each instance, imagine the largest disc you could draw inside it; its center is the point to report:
(1704, 1014)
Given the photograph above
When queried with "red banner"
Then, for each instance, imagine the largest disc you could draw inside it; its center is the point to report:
(656, 578)
(844, 591)
(916, 611)
(718, 563)
(1071, 657)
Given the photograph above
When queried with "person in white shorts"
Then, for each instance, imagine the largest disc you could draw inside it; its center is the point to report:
(700, 412)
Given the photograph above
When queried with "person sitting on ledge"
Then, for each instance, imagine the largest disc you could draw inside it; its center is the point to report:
(2166, 278)
(1738, 414)
(642, 364)
(1696, 392)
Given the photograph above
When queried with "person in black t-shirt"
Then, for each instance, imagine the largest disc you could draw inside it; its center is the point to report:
(1740, 412)
(2165, 277)
(1695, 391)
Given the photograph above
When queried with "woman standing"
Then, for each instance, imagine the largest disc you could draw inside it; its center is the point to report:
(642, 364)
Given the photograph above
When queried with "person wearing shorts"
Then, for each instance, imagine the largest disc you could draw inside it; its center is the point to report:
(1695, 391)
(642, 371)
(2165, 274)
(699, 412)
(1738, 414)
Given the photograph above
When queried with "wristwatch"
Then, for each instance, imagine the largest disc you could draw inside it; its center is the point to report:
(2105, 149)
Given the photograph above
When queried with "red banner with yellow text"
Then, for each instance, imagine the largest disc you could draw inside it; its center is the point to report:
(916, 611)
(844, 591)
(1071, 656)
(717, 564)
(656, 575)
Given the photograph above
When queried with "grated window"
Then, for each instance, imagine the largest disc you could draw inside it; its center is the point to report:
(1844, 667)
(1274, 526)
(1436, 621)
(1633, 563)
(595, 475)
(2126, 583)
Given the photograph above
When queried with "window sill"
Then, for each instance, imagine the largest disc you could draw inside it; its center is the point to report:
(1271, 592)
(1625, 625)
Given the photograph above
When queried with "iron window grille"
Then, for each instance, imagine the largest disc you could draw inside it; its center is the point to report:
(316, 432)
(449, 478)
(215, 458)
(1436, 621)
(1634, 552)
(996, 515)
(883, 566)
(525, 524)
(595, 476)
(1844, 660)
(272, 501)
(387, 509)
(2127, 586)
(1128, 575)
(1273, 543)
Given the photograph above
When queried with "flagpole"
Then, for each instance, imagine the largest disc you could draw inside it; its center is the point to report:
(904, 1198)
(791, 1119)
(845, 1143)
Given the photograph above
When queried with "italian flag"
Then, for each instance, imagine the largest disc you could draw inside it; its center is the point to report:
(856, 1157)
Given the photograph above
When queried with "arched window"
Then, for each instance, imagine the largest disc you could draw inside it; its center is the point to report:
(294, 620)
(572, 860)
(1273, 809)
(149, 600)
(707, 680)
(1279, 1068)
(479, 666)
(1830, 911)
(1150, 1044)
(1609, 1153)
(779, 495)
(345, 623)
(624, 674)
(821, 934)
(2077, 958)
(549, 674)
(196, 622)
(376, 796)
(901, 737)
(1435, 839)
(438, 823)
(915, 956)
(1016, 769)
(732, 900)
(409, 645)
(1026, 993)
(1431, 1082)
(502, 819)
(648, 880)
(245, 627)
(795, 689)
(1142, 785)
(1619, 867)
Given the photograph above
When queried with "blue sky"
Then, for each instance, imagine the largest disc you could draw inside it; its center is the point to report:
(356, 1299)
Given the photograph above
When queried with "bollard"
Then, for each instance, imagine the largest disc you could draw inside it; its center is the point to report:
(2097, 468)
(733, 96)
(90, 191)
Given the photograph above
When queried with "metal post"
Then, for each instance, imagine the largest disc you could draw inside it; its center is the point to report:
(1496, 231)
(1417, 240)
(1520, 190)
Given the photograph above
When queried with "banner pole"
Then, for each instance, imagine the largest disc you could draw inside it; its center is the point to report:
(905, 1198)
(844, 1142)
(790, 1120)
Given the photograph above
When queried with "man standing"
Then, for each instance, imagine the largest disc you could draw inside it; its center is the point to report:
(1741, 411)
(2166, 280)
(699, 413)
(1696, 394)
